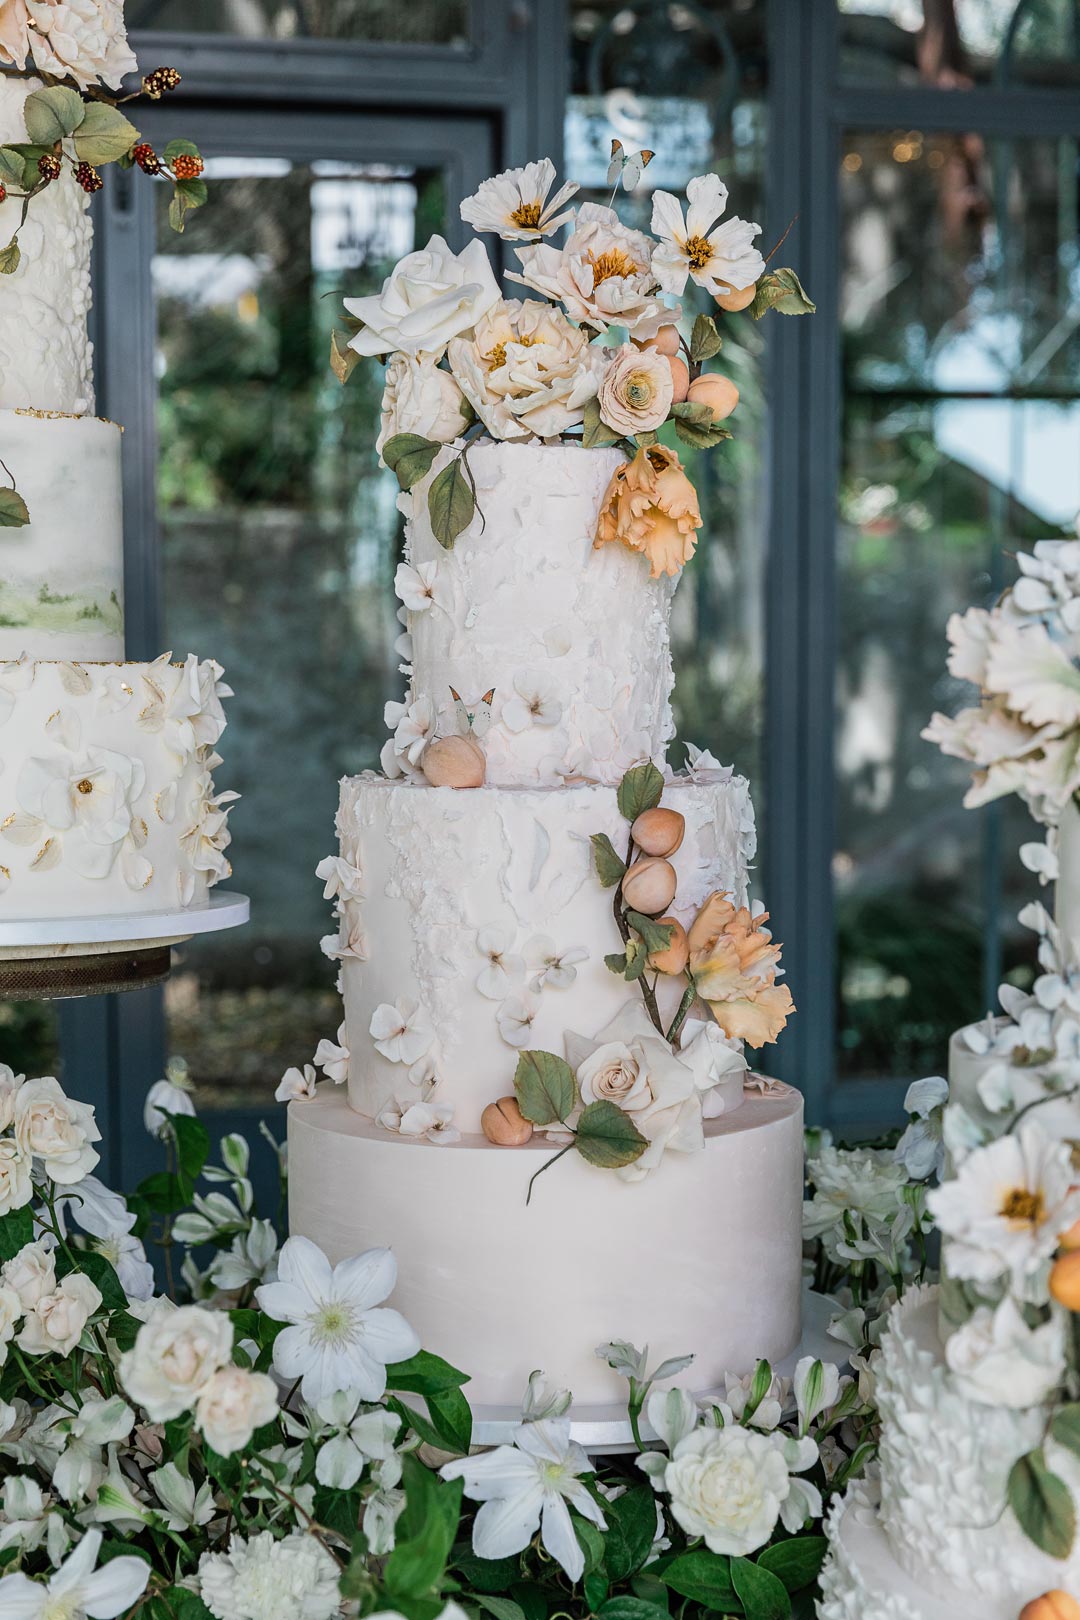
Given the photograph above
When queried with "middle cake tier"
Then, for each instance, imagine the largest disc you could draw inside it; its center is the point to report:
(475, 922)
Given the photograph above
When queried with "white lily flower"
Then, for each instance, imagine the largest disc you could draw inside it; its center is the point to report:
(817, 1387)
(336, 1338)
(720, 258)
(77, 1589)
(525, 1487)
(516, 204)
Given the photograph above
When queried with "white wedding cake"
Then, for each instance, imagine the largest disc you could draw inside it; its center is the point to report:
(107, 803)
(545, 938)
(978, 1497)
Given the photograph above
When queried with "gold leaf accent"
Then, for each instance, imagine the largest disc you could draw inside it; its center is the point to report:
(9, 821)
(41, 854)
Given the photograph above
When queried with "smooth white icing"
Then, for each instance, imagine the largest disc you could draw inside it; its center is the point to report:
(437, 865)
(45, 353)
(147, 834)
(702, 1256)
(62, 574)
(526, 598)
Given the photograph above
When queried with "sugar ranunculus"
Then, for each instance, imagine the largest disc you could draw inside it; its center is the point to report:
(651, 506)
(636, 391)
(427, 299)
(419, 397)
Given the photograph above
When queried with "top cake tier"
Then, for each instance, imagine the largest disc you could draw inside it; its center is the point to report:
(45, 353)
(559, 651)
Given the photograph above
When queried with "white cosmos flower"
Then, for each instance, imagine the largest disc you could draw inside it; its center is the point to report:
(402, 1031)
(266, 1578)
(77, 1589)
(1004, 1210)
(434, 1121)
(422, 587)
(504, 968)
(333, 1059)
(361, 1436)
(997, 1359)
(57, 1131)
(550, 966)
(535, 702)
(515, 1019)
(720, 258)
(527, 1486)
(413, 725)
(428, 298)
(165, 1097)
(516, 204)
(336, 1339)
(296, 1085)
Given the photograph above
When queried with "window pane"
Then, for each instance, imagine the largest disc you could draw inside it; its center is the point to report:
(960, 444)
(280, 535)
(29, 1040)
(961, 44)
(422, 22)
(689, 82)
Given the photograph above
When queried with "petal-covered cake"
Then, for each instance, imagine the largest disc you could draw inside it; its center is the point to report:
(548, 954)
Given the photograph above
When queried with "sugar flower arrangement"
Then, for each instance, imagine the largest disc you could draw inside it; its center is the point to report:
(593, 352)
(1024, 656)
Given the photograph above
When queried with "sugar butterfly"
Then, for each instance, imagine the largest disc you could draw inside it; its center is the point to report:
(627, 166)
(475, 718)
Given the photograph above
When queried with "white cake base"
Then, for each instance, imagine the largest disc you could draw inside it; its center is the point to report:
(704, 1255)
(863, 1581)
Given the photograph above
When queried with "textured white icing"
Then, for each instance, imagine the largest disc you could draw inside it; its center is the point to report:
(525, 597)
(45, 353)
(1067, 886)
(702, 1256)
(437, 865)
(143, 832)
(967, 1069)
(62, 575)
(945, 1461)
(861, 1579)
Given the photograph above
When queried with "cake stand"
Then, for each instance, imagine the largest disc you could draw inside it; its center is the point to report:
(50, 958)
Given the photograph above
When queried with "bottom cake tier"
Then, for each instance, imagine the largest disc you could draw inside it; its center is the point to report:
(863, 1581)
(704, 1255)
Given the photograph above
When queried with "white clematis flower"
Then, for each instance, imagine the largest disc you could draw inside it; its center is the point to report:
(720, 258)
(527, 1486)
(428, 298)
(516, 203)
(362, 1435)
(505, 969)
(402, 1031)
(336, 1338)
(165, 1097)
(77, 1589)
(921, 1149)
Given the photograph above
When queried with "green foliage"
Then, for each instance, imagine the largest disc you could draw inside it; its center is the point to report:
(705, 340)
(9, 258)
(640, 789)
(783, 291)
(425, 1533)
(796, 1562)
(11, 166)
(762, 1594)
(609, 867)
(53, 114)
(695, 424)
(1065, 1427)
(1043, 1504)
(16, 1231)
(13, 512)
(595, 433)
(703, 1576)
(408, 455)
(545, 1087)
(631, 1520)
(607, 1137)
(451, 502)
(104, 135)
(101, 1274)
(655, 936)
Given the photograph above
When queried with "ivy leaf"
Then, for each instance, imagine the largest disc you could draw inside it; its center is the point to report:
(762, 1594)
(9, 258)
(608, 1137)
(695, 424)
(11, 166)
(595, 433)
(429, 1524)
(13, 513)
(343, 360)
(655, 936)
(104, 135)
(192, 1144)
(1043, 1505)
(451, 503)
(704, 1577)
(783, 291)
(53, 114)
(609, 866)
(630, 1608)
(1065, 1427)
(640, 789)
(705, 340)
(408, 455)
(194, 192)
(545, 1087)
(503, 1608)
(797, 1562)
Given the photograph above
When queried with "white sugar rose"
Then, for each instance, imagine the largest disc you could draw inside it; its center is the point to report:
(232, 1405)
(527, 370)
(727, 1485)
(419, 397)
(997, 1359)
(31, 1273)
(614, 1074)
(16, 1188)
(176, 1353)
(427, 299)
(55, 1324)
(84, 40)
(51, 1127)
(636, 392)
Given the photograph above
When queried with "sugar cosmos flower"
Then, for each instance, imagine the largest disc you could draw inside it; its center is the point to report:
(720, 258)
(603, 276)
(336, 1338)
(516, 203)
(77, 1588)
(527, 1486)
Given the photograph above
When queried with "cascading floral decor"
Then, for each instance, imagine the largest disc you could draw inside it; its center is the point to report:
(266, 1437)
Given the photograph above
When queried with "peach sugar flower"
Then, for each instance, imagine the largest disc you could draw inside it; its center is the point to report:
(733, 963)
(651, 506)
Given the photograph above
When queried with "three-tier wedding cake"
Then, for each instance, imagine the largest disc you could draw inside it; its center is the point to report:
(546, 943)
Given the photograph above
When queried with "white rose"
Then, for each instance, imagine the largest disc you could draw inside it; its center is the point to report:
(31, 1273)
(727, 1485)
(527, 370)
(636, 392)
(427, 299)
(996, 1358)
(176, 1353)
(11, 1309)
(51, 1127)
(56, 1322)
(631, 1064)
(232, 1405)
(16, 1188)
(9, 1085)
(614, 1074)
(84, 40)
(419, 397)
